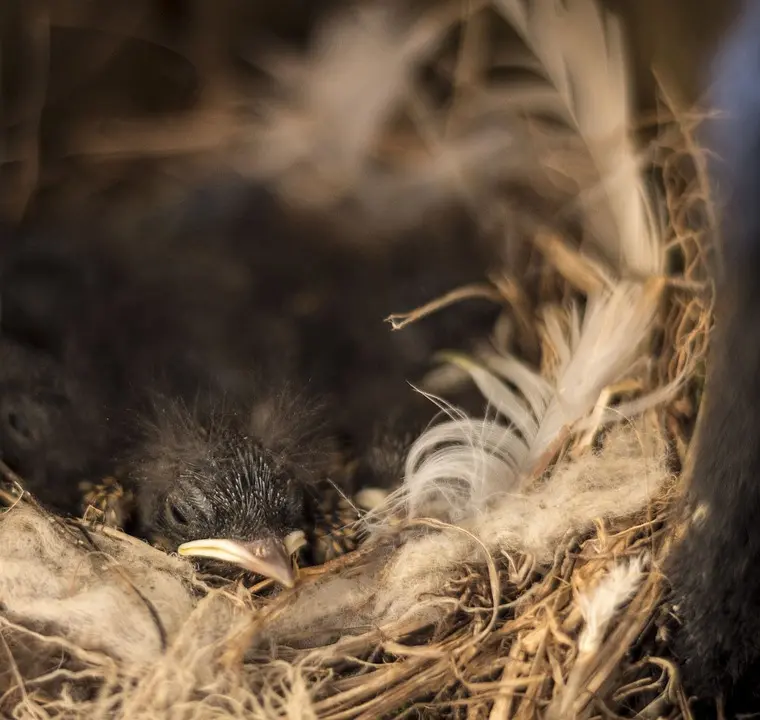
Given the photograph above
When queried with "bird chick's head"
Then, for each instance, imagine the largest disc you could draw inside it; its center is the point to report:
(224, 498)
(53, 428)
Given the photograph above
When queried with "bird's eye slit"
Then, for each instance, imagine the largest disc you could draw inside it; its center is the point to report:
(175, 514)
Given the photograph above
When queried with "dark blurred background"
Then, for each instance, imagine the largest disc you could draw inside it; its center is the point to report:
(102, 97)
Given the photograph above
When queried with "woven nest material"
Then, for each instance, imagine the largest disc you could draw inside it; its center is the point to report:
(512, 635)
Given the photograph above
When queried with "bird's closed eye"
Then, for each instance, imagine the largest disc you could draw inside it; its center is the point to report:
(175, 513)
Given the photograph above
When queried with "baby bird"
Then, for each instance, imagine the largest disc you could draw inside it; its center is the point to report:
(106, 364)
(231, 481)
(51, 428)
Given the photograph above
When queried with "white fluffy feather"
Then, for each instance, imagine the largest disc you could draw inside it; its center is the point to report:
(458, 466)
(580, 50)
(315, 143)
(600, 605)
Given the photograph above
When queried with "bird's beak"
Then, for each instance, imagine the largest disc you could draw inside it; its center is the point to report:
(269, 556)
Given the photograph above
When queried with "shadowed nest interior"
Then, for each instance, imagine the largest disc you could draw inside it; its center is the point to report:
(95, 623)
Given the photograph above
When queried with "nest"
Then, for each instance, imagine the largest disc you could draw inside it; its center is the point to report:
(136, 633)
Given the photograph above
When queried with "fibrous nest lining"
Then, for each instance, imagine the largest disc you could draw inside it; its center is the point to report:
(517, 572)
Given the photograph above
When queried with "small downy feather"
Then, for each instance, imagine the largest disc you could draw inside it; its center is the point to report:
(600, 605)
